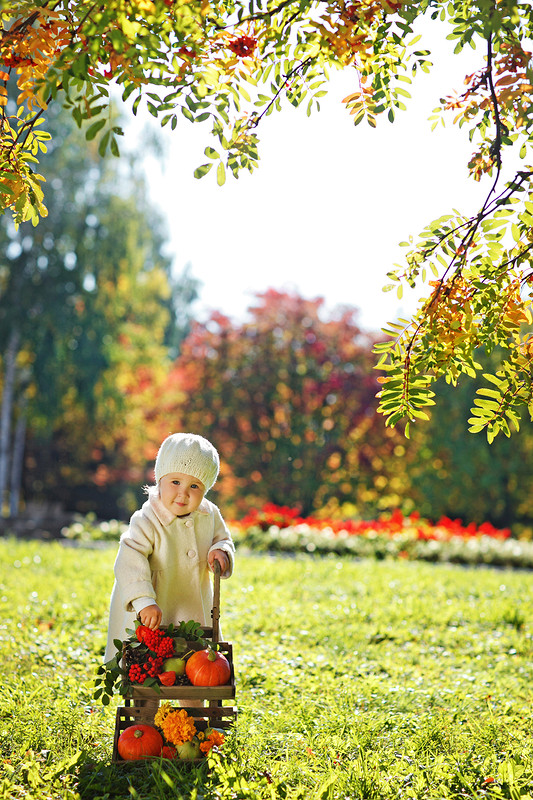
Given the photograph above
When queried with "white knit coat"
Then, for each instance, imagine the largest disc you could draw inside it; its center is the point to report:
(165, 557)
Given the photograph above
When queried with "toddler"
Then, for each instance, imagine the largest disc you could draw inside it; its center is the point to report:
(162, 569)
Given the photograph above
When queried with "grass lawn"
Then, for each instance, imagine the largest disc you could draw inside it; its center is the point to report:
(367, 679)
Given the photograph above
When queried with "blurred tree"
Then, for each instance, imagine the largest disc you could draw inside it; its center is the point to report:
(90, 316)
(456, 475)
(289, 399)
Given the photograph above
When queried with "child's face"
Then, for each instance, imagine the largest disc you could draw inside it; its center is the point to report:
(181, 494)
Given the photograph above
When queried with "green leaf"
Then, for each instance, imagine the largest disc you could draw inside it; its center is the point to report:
(130, 88)
(102, 147)
(94, 129)
(221, 174)
(475, 426)
(199, 172)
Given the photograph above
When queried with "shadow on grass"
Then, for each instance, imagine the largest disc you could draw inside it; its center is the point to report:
(156, 778)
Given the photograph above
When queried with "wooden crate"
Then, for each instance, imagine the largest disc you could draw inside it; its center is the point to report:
(225, 692)
(217, 716)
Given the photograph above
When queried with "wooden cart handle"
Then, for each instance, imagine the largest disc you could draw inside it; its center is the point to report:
(215, 612)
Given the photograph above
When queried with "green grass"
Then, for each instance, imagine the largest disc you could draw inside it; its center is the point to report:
(370, 679)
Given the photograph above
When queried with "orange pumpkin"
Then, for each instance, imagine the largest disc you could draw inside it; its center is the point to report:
(139, 741)
(208, 668)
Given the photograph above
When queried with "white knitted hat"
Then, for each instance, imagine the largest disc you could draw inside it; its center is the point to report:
(190, 454)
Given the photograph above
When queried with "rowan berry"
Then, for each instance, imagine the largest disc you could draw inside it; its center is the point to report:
(153, 666)
(152, 638)
(243, 46)
(165, 648)
(135, 674)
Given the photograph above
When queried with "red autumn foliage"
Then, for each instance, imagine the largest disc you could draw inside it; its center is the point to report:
(289, 398)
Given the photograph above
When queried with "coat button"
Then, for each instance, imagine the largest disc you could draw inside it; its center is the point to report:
(191, 553)
(189, 523)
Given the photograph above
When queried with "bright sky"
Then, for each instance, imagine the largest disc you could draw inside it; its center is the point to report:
(326, 209)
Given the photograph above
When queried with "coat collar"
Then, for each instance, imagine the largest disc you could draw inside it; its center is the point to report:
(165, 516)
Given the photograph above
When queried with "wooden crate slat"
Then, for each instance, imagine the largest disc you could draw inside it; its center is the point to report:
(221, 717)
(224, 692)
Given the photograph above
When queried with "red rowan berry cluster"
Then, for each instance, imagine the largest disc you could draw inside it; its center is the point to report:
(158, 643)
(153, 666)
(243, 46)
(151, 638)
(136, 674)
(15, 60)
(165, 648)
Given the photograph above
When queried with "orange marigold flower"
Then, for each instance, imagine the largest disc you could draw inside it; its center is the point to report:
(178, 727)
(215, 739)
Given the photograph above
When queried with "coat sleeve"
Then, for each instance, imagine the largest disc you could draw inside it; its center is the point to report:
(222, 541)
(132, 568)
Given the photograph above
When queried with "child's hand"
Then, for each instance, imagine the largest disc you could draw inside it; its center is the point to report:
(151, 616)
(221, 557)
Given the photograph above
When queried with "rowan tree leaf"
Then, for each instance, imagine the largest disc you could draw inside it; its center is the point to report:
(199, 172)
(221, 174)
(104, 141)
(94, 129)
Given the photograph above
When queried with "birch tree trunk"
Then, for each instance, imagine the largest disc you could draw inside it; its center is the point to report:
(6, 411)
(17, 460)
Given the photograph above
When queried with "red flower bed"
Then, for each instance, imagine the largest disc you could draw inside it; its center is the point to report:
(387, 525)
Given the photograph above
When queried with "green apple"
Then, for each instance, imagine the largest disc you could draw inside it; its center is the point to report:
(189, 750)
(175, 664)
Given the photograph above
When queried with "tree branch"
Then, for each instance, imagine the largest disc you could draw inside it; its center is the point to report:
(261, 15)
(254, 122)
(472, 224)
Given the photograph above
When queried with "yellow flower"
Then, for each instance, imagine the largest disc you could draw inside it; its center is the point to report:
(162, 713)
(178, 727)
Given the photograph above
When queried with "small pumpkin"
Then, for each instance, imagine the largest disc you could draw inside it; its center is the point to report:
(139, 741)
(169, 752)
(208, 668)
